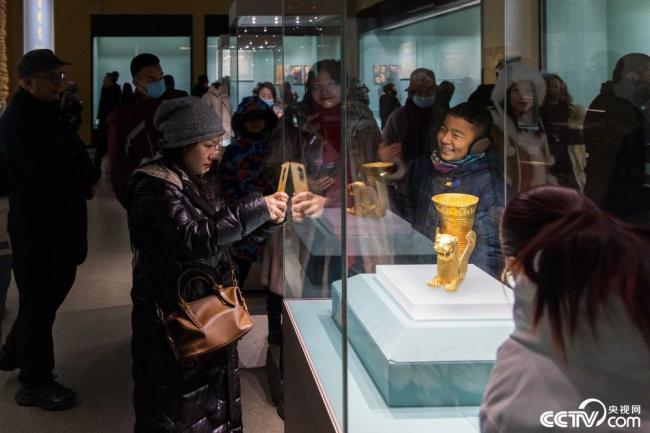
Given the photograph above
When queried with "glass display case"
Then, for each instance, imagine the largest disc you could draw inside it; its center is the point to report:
(390, 264)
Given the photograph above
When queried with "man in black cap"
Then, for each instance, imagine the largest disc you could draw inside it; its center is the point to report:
(50, 178)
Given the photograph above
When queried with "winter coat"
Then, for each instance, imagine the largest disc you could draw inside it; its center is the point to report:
(529, 378)
(133, 138)
(220, 103)
(109, 100)
(527, 152)
(387, 104)
(5, 245)
(403, 127)
(562, 134)
(170, 234)
(614, 138)
(478, 178)
(199, 90)
(397, 131)
(50, 178)
(240, 172)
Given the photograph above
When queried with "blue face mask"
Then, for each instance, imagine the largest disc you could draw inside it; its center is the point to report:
(424, 101)
(268, 102)
(156, 89)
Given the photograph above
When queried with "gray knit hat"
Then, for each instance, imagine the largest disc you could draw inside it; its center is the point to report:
(187, 120)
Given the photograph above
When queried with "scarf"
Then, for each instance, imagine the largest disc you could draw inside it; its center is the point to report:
(446, 167)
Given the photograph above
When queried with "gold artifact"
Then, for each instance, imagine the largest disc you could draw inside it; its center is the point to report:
(298, 177)
(455, 242)
(371, 200)
(284, 175)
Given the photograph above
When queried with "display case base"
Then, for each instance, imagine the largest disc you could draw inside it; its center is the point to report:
(418, 362)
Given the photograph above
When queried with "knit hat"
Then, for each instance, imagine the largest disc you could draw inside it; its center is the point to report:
(187, 120)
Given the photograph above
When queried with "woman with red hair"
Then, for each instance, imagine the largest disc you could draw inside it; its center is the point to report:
(581, 282)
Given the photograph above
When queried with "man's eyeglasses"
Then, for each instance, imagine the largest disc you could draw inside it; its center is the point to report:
(54, 78)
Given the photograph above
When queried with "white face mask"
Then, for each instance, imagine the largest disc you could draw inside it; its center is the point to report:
(268, 102)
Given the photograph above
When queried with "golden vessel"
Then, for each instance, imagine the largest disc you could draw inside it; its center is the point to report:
(455, 240)
(371, 200)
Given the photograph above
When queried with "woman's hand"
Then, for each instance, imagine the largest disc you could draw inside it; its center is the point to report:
(277, 205)
(307, 204)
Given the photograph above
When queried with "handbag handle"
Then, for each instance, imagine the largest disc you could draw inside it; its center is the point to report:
(216, 289)
(201, 275)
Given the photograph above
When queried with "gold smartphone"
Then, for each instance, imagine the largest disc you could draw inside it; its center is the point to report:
(284, 175)
(299, 177)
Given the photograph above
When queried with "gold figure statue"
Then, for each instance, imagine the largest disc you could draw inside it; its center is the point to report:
(455, 242)
(371, 200)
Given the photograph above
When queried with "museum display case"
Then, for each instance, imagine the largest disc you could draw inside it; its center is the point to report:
(394, 305)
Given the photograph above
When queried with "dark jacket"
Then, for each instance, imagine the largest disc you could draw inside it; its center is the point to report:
(556, 120)
(387, 104)
(417, 130)
(614, 138)
(482, 96)
(478, 178)
(199, 90)
(241, 169)
(170, 234)
(132, 138)
(109, 100)
(50, 177)
(240, 172)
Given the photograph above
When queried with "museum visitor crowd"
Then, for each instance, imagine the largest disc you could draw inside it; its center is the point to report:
(563, 213)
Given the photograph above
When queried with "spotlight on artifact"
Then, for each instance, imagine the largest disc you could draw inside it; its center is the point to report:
(455, 241)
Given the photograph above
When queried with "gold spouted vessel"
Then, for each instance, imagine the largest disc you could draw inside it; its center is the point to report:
(455, 239)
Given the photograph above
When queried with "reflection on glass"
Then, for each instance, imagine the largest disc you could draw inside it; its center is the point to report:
(113, 53)
(520, 137)
(214, 58)
(551, 108)
(449, 44)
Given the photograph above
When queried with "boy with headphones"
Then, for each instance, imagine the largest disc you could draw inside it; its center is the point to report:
(463, 162)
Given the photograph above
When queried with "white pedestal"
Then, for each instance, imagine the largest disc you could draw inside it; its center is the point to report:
(479, 297)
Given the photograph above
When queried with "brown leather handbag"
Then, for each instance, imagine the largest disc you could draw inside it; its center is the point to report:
(207, 324)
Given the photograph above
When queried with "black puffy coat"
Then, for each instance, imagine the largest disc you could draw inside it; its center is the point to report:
(615, 142)
(50, 177)
(169, 234)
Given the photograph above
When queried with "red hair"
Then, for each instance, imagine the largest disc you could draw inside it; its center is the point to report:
(578, 256)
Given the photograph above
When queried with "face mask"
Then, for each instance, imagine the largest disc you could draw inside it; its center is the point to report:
(268, 102)
(156, 89)
(424, 101)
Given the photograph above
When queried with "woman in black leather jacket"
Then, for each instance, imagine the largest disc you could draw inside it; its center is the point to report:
(169, 233)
